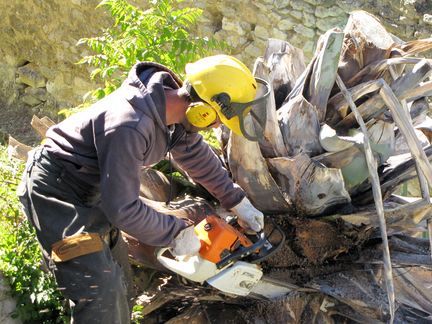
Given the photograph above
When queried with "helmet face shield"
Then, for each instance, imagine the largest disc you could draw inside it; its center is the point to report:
(232, 114)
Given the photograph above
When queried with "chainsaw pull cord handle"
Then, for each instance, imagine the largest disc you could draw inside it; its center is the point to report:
(243, 251)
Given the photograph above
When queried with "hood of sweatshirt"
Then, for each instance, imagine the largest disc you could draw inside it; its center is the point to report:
(146, 81)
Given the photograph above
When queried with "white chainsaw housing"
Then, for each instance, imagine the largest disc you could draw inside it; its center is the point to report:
(238, 279)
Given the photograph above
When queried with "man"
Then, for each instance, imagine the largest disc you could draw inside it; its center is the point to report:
(83, 184)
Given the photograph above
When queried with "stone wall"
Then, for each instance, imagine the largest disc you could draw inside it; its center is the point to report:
(38, 41)
(39, 52)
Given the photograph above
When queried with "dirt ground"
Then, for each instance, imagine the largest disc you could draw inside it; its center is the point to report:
(16, 122)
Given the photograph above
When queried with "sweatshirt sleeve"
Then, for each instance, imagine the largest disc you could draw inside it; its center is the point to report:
(120, 153)
(201, 163)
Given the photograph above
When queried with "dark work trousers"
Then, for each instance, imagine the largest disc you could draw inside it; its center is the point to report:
(58, 206)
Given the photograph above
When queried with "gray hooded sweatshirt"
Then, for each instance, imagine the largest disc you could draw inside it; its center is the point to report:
(105, 147)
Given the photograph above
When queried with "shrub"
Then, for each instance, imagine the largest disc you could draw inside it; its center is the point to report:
(38, 300)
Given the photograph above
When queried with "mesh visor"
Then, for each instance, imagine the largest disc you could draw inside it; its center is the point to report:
(240, 110)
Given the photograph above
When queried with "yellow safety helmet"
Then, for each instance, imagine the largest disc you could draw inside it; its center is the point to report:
(221, 86)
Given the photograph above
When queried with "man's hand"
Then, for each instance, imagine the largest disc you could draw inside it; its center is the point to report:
(248, 216)
(186, 242)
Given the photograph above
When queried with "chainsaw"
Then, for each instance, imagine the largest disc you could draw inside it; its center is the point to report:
(229, 259)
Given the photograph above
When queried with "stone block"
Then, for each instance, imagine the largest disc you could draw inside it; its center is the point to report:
(296, 14)
(302, 6)
(261, 32)
(228, 12)
(334, 11)
(274, 17)
(331, 22)
(263, 20)
(279, 34)
(280, 4)
(309, 20)
(253, 51)
(262, 6)
(235, 41)
(246, 27)
(287, 24)
(313, 2)
(305, 31)
(40, 94)
(309, 48)
(29, 74)
(30, 100)
(249, 14)
(232, 26)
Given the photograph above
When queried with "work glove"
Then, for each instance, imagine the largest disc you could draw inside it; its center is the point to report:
(186, 242)
(248, 216)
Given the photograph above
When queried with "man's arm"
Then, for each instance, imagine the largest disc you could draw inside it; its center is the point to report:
(201, 163)
(120, 153)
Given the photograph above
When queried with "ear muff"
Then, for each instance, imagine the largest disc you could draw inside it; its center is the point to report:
(201, 114)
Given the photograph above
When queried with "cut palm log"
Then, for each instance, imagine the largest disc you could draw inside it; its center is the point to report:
(331, 142)
(416, 46)
(374, 106)
(337, 105)
(371, 71)
(286, 63)
(300, 126)
(281, 66)
(351, 160)
(323, 73)
(271, 143)
(376, 191)
(398, 169)
(312, 188)
(366, 41)
(250, 171)
(401, 146)
(41, 125)
(357, 289)
(397, 219)
(317, 81)
(18, 150)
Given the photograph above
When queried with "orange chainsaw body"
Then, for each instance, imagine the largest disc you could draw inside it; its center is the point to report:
(218, 238)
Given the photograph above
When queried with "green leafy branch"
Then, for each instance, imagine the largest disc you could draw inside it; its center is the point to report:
(159, 34)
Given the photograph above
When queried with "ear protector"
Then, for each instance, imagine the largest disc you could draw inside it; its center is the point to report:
(201, 114)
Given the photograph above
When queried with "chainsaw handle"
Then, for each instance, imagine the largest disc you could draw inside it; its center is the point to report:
(243, 251)
(192, 267)
(169, 263)
(161, 251)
